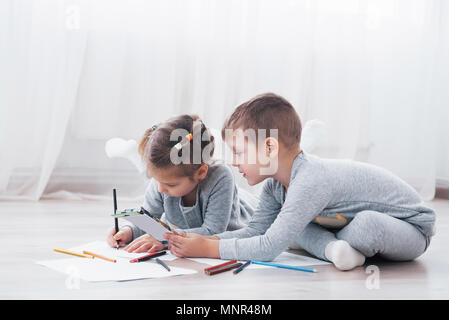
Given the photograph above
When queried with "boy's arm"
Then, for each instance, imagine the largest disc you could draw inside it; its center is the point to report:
(193, 245)
(264, 215)
(306, 199)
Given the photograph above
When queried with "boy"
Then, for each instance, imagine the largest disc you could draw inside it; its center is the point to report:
(384, 215)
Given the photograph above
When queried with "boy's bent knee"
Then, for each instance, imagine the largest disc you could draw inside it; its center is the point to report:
(374, 232)
(365, 232)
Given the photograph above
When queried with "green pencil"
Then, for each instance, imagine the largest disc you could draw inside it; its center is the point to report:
(162, 264)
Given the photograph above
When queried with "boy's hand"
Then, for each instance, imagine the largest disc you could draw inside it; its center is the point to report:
(167, 235)
(124, 234)
(193, 245)
(145, 243)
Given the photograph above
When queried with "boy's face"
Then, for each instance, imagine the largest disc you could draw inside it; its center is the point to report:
(251, 160)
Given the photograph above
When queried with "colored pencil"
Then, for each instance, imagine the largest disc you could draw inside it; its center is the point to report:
(99, 256)
(73, 253)
(162, 264)
(148, 256)
(220, 265)
(223, 269)
(243, 266)
(283, 266)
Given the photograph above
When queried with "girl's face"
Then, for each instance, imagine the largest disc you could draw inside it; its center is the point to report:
(171, 182)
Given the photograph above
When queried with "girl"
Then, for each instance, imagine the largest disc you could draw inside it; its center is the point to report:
(195, 193)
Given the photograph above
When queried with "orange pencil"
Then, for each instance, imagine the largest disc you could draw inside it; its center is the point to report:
(73, 253)
(98, 256)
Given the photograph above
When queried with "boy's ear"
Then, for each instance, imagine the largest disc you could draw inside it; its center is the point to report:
(271, 147)
(201, 173)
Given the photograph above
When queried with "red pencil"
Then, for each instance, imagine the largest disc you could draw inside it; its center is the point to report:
(220, 265)
(223, 269)
(148, 256)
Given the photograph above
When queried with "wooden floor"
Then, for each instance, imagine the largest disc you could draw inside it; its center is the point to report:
(30, 230)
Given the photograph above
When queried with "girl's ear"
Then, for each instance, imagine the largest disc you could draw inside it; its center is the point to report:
(149, 173)
(201, 173)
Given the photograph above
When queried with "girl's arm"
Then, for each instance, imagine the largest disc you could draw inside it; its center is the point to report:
(218, 208)
(153, 203)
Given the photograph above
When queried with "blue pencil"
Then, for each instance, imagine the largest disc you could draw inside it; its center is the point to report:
(243, 266)
(283, 266)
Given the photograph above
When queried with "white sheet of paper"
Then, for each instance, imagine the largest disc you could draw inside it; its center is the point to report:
(149, 225)
(102, 248)
(286, 258)
(95, 270)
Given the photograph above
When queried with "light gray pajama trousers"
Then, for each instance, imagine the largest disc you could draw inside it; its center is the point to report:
(371, 233)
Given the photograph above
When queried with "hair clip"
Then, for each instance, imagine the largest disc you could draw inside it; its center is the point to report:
(179, 145)
(154, 127)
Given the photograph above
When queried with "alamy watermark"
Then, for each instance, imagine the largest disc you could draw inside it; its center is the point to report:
(373, 280)
(73, 280)
(73, 17)
(189, 149)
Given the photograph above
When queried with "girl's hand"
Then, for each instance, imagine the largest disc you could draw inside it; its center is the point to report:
(193, 245)
(144, 243)
(124, 234)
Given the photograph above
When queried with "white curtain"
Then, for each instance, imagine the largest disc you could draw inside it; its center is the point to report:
(40, 62)
(81, 72)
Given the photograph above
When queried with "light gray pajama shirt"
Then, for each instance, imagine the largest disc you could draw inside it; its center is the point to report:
(385, 214)
(219, 205)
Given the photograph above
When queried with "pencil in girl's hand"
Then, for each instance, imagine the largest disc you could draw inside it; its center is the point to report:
(114, 195)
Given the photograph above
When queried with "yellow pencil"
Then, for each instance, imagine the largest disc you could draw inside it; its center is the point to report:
(98, 256)
(73, 253)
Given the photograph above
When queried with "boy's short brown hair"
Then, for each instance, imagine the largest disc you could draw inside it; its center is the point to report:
(267, 111)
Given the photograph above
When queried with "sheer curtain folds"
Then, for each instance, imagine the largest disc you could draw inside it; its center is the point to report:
(41, 56)
(76, 73)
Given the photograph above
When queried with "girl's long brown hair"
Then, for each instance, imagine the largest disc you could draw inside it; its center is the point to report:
(155, 146)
